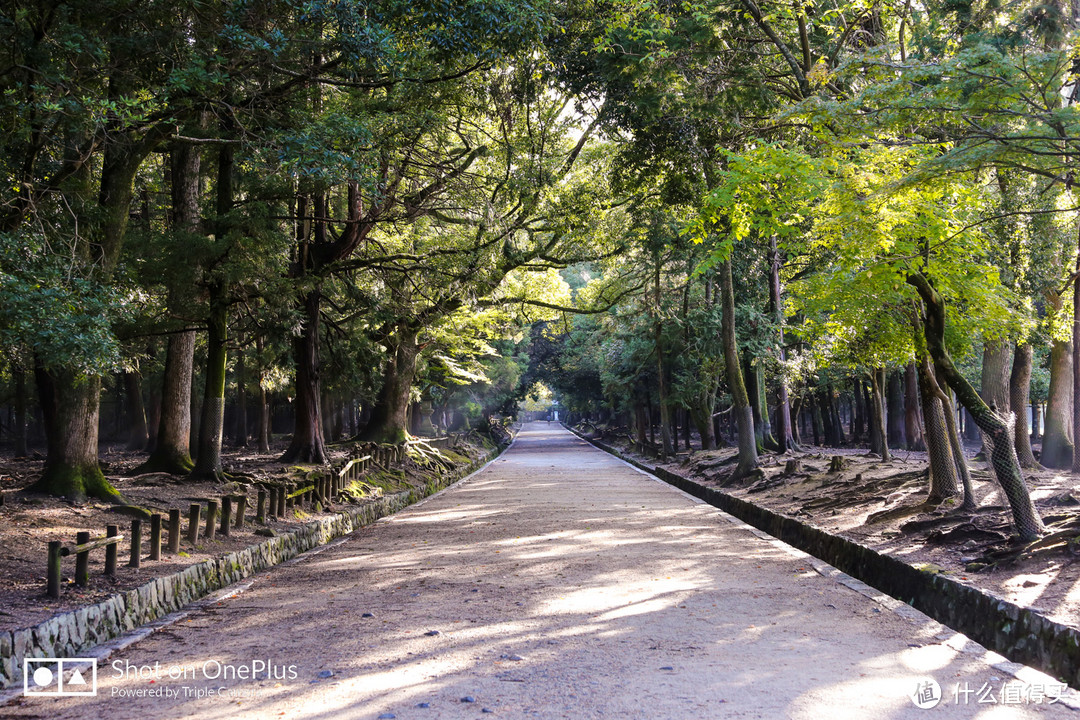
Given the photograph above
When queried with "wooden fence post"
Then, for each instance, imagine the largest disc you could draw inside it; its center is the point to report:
(82, 560)
(111, 550)
(174, 531)
(136, 543)
(193, 523)
(155, 536)
(54, 568)
(211, 520)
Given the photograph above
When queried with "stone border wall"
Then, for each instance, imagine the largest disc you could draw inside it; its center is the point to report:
(1020, 634)
(72, 633)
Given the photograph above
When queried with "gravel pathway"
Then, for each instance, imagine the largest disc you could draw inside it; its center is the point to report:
(557, 583)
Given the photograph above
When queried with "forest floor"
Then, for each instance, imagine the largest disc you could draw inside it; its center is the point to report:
(28, 521)
(883, 506)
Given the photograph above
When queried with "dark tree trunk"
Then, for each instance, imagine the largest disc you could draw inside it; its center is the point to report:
(877, 412)
(1057, 446)
(138, 436)
(1003, 459)
(895, 420)
(666, 438)
(212, 424)
(172, 448)
(172, 451)
(19, 431)
(1019, 389)
(785, 433)
(858, 410)
(389, 417)
(912, 417)
(748, 456)
(308, 444)
(240, 436)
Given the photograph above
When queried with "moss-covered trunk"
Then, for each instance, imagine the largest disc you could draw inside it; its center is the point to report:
(70, 407)
(748, 455)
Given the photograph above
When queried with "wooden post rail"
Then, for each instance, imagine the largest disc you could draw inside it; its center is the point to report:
(81, 550)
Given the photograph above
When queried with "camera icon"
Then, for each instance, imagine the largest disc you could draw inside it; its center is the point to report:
(58, 677)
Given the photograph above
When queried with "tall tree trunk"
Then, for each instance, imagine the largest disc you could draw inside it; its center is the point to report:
(1076, 357)
(241, 435)
(172, 449)
(308, 442)
(138, 436)
(877, 411)
(748, 456)
(264, 403)
(995, 376)
(1003, 459)
(1019, 393)
(785, 434)
(389, 417)
(1057, 446)
(895, 406)
(212, 424)
(858, 410)
(19, 433)
(912, 420)
(943, 478)
(662, 389)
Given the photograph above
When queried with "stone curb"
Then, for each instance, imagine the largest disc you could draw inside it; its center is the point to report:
(72, 633)
(1020, 634)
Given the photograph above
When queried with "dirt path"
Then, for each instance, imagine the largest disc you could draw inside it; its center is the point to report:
(558, 583)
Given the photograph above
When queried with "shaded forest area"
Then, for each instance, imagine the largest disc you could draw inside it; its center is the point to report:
(775, 225)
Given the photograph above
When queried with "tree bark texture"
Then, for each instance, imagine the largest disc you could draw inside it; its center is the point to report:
(212, 425)
(943, 479)
(1057, 446)
(308, 442)
(1019, 394)
(912, 415)
(748, 456)
(389, 417)
(1003, 459)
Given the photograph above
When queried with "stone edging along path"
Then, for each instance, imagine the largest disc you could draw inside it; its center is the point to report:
(1020, 634)
(72, 633)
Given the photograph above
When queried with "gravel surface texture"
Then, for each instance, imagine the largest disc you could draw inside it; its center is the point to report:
(557, 583)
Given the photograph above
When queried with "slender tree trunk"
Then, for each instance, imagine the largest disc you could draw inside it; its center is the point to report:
(912, 419)
(878, 412)
(172, 449)
(785, 434)
(264, 404)
(241, 434)
(748, 456)
(895, 406)
(19, 434)
(858, 411)
(1057, 447)
(1076, 359)
(138, 436)
(662, 389)
(1003, 459)
(1019, 389)
(212, 424)
(389, 417)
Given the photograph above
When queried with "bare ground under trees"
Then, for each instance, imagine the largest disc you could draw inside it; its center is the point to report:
(28, 521)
